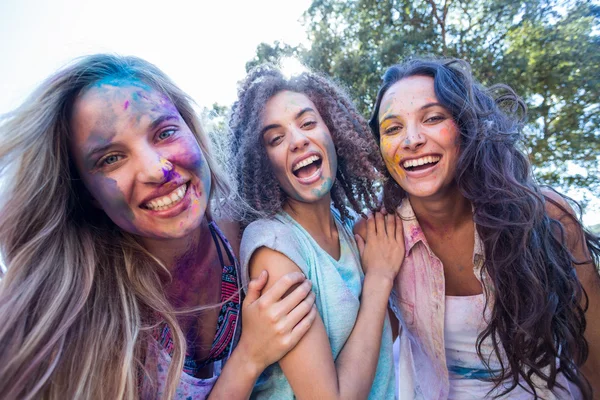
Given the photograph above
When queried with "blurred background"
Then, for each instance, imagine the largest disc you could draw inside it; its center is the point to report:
(548, 51)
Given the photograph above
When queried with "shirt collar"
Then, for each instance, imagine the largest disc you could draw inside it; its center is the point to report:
(414, 234)
(412, 230)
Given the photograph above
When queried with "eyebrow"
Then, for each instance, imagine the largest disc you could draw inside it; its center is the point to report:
(162, 119)
(89, 157)
(298, 115)
(426, 106)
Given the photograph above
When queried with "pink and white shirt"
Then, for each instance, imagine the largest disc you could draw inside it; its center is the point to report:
(419, 302)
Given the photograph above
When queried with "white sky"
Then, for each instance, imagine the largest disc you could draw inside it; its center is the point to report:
(202, 45)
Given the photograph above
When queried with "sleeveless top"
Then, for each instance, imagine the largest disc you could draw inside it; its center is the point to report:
(337, 285)
(227, 333)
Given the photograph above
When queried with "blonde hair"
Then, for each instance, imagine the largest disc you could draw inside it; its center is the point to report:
(79, 297)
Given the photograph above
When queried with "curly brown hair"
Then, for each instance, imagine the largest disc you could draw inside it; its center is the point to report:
(359, 161)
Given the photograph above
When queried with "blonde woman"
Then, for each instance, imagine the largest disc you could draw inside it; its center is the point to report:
(119, 283)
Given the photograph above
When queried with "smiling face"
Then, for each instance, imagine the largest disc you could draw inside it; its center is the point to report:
(299, 146)
(418, 138)
(139, 160)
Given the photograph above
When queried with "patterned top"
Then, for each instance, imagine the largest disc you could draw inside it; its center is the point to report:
(337, 285)
(418, 300)
(226, 337)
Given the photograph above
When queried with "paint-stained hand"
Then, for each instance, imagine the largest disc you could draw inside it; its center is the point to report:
(273, 323)
(382, 248)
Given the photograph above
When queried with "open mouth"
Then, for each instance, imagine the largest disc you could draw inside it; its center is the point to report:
(419, 164)
(307, 167)
(168, 201)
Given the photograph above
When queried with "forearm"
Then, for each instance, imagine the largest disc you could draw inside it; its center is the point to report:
(357, 362)
(237, 377)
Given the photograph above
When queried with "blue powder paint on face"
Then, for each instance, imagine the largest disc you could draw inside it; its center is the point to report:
(324, 189)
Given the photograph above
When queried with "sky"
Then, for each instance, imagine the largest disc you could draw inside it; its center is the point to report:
(202, 45)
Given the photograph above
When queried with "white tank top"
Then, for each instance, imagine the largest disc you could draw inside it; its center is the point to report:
(463, 321)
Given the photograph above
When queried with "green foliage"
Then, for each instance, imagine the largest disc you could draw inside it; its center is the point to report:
(548, 51)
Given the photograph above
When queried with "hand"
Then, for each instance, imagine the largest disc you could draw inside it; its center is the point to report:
(382, 250)
(272, 325)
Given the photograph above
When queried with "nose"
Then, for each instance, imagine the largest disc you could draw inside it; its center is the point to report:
(298, 139)
(414, 139)
(153, 168)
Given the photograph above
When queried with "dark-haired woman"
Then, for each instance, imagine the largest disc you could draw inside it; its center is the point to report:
(300, 145)
(498, 294)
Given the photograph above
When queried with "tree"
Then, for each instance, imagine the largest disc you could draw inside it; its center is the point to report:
(547, 51)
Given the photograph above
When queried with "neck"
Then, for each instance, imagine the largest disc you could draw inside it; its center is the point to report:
(169, 251)
(192, 263)
(444, 213)
(315, 217)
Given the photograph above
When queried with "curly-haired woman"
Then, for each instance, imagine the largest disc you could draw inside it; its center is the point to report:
(114, 263)
(298, 146)
(498, 294)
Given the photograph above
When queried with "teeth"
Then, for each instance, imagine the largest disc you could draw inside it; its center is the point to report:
(168, 201)
(306, 162)
(420, 161)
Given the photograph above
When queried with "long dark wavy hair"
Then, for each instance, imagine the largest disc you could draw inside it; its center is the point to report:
(538, 310)
(357, 152)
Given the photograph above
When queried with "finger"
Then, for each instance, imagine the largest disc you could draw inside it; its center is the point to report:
(302, 327)
(282, 286)
(380, 223)
(390, 225)
(371, 230)
(300, 311)
(360, 243)
(292, 300)
(255, 286)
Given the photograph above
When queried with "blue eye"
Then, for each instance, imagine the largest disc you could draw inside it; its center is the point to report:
(166, 134)
(111, 159)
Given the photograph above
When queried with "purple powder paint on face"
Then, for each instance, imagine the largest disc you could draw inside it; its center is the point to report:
(126, 105)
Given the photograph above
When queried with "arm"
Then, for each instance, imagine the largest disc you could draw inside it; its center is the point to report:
(588, 276)
(360, 233)
(272, 326)
(310, 367)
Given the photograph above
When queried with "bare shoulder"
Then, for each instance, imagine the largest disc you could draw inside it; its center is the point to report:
(274, 262)
(232, 231)
(557, 206)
